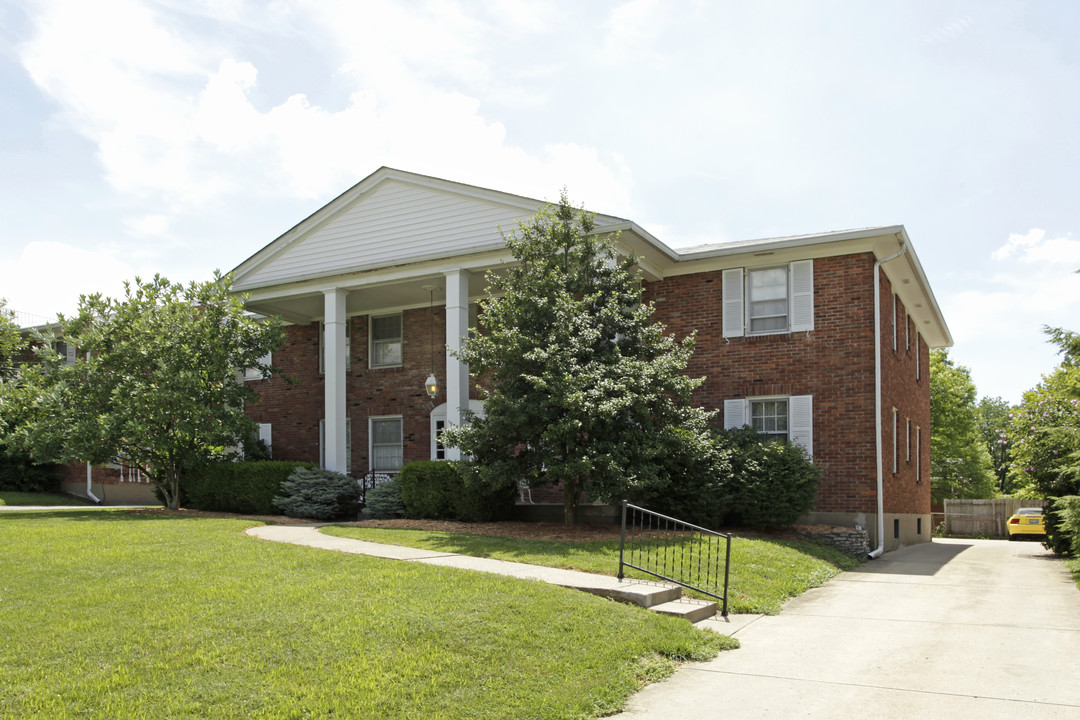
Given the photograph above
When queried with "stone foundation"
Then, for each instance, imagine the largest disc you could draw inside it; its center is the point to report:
(851, 540)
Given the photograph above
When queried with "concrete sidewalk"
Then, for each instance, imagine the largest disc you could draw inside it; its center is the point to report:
(949, 629)
(652, 595)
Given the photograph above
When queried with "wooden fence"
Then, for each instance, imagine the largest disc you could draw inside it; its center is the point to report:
(982, 517)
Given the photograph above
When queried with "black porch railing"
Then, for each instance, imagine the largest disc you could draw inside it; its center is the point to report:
(675, 551)
(370, 481)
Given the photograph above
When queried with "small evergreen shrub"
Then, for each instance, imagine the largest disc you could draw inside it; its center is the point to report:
(21, 474)
(318, 494)
(384, 501)
(430, 488)
(248, 488)
(1062, 517)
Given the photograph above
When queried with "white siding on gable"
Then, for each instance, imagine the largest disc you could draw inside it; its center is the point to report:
(394, 223)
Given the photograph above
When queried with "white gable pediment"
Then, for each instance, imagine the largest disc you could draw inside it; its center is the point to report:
(396, 219)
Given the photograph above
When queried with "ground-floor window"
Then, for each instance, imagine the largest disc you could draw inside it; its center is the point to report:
(386, 444)
(348, 445)
(789, 417)
(770, 418)
(438, 450)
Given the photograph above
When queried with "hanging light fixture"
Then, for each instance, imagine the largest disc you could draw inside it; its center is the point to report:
(431, 385)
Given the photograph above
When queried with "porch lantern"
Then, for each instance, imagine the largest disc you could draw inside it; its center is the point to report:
(431, 385)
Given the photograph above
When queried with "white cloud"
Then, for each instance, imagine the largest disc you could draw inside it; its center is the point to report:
(153, 225)
(1033, 247)
(631, 29)
(175, 123)
(48, 277)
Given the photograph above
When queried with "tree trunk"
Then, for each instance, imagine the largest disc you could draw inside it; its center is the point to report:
(174, 499)
(571, 495)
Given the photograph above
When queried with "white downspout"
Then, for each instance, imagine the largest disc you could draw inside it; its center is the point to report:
(89, 471)
(877, 401)
(89, 482)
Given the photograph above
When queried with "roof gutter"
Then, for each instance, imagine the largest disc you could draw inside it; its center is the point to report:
(877, 399)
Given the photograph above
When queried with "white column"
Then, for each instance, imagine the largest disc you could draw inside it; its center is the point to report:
(457, 329)
(334, 378)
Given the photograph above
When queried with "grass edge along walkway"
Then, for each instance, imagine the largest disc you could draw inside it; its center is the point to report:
(116, 614)
(764, 573)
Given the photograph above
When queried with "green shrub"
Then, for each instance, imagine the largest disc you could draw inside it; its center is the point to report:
(481, 502)
(430, 488)
(741, 479)
(319, 494)
(1063, 525)
(19, 473)
(449, 491)
(771, 483)
(248, 488)
(699, 469)
(384, 500)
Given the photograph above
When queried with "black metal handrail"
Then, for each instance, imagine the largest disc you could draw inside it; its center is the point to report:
(669, 549)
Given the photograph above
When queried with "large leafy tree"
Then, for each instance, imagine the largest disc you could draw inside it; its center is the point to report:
(959, 461)
(11, 342)
(580, 388)
(1044, 432)
(155, 384)
(994, 414)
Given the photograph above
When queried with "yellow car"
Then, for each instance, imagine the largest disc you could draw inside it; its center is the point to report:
(1027, 521)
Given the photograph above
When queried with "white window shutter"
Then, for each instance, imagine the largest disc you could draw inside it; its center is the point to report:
(802, 295)
(801, 421)
(735, 413)
(734, 315)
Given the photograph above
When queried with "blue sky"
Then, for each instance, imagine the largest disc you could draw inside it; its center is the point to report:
(181, 136)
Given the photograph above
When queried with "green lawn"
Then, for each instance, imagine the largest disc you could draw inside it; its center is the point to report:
(764, 573)
(10, 497)
(107, 614)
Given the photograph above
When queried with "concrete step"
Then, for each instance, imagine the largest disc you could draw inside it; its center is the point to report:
(640, 594)
(688, 608)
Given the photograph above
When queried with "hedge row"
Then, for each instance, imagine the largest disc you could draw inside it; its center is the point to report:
(20, 474)
(441, 491)
(248, 488)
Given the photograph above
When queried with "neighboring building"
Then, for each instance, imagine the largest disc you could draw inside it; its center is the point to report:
(107, 485)
(380, 283)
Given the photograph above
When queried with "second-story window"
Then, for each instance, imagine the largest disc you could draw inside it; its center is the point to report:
(386, 341)
(767, 308)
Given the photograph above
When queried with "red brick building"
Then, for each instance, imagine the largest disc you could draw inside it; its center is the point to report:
(381, 282)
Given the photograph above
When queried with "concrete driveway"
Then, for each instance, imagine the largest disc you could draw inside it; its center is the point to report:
(949, 629)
